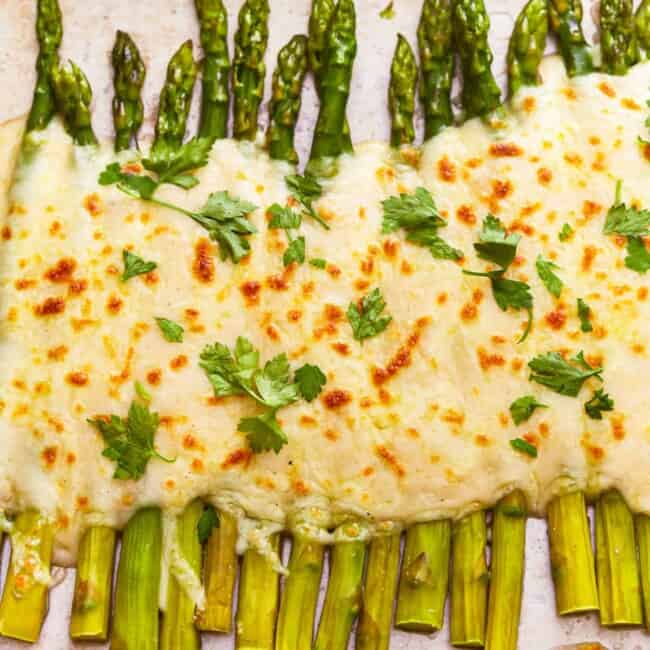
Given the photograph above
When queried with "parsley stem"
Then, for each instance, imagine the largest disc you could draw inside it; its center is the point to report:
(171, 206)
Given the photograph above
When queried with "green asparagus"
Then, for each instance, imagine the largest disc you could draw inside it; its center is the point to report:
(642, 526)
(565, 18)
(642, 29)
(617, 38)
(401, 93)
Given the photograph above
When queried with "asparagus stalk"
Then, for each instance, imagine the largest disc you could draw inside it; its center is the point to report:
(376, 618)
(469, 581)
(335, 88)
(135, 617)
(565, 18)
(219, 575)
(24, 597)
(507, 572)
(175, 100)
(257, 608)
(642, 29)
(572, 559)
(73, 95)
(617, 38)
(343, 597)
(401, 93)
(251, 40)
(435, 45)
(215, 91)
(91, 605)
(481, 94)
(285, 100)
(526, 47)
(49, 32)
(642, 525)
(129, 72)
(619, 591)
(424, 577)
(300, 594)
(177, 629)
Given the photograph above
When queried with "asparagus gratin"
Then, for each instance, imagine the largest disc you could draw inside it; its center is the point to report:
(212, 351)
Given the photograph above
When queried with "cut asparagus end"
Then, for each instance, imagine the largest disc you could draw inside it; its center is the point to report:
(572, 558)
(300, 595)
(135, 619)
(424, 577)
(24, 598)
(91, 604)
(619, 590)
(469, 581)
(642, 524)
(376, 618)
(257, 607)
(177, 629)
(219, 575)
(507, 572)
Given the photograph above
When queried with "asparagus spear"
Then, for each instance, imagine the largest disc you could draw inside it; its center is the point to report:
(300, 594)
(91, 605)
(572, 559)
(619, 590)
(376, 618)
(401, 93)
(215, 92)
(219, 575)
(642, 525)
(73, 95)
(177, 629)
(469, 581)
(257, 608)
(617, 39)
(128, 111)
(49, 31)
(526, 47)
(24, 597)
(507, 572)
(565, 17)
(135, 617)
(175, 100)
(424, 577)
(335, 88)
(343, 597)
(251, 40)
(642, 29)
(285, 101)
(481, 94)
(435, 44)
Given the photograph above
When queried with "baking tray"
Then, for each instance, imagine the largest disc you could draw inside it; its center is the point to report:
(159, 26)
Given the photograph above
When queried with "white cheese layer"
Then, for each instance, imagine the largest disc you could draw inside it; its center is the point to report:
(430, 436)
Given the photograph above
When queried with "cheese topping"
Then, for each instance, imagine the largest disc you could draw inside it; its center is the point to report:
(412, 424)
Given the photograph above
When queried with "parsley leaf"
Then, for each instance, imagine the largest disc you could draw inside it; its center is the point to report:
(311, 380)
(263, 432)
(600, 401)
(306, 189)
(521, 409)
(295, 252)
(283, 217)
(138, 187)
(173, 332)
(624, 220)
(584, 314)
(637, 258)
(388, 12)
(130, 441)
(172, 163)
(135, 265)
(519, 444)
(566, 233)
(142, 392)
(366, 319)
(561, 376)
(208, 521)
(318, 262)
(495, 244)
(545, 270)
(439, 248)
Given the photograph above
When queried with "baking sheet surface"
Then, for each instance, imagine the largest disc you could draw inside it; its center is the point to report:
(159, 26)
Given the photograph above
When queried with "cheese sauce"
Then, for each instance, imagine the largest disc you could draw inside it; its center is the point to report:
(413, 424)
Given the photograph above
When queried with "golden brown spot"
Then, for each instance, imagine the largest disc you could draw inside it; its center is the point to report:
(251, 291)
(77, 286)
(606, 89)
(596, 453)
(466, 214)
(114, 304)
(62, 271)
(569, 93)
(308, 421)
(391, 248)
(294, 315)
(401, 359)
(178, 362)
(482, 440)
(361, 285)
(82, 502)
(599, 164)
(446, 170)
(93, 204)
(77, 378)
(501, 189)
(487, 360)
(630, 104)
(390, 459)
(469, 312)
(516, 365)
(203, 265)
(441, 298)
(642, 293)
(24, 283)
(332, 435)
(520, 226)
(529, 104)
(272, 333)
(336, 398)
(453, 417)
(505, 150)
(342, 348)
(333, 271)
(50, 307)
(57, 353)
(591, 209)
(6, 233)
(367, 265)
(556, 319)
(237, 457)
(368, 471)
(618, 429)
(333, 313)
(588, 255)
(300, 488)
(573, 158)
(49, 455)
(197, 465)
(406, 268)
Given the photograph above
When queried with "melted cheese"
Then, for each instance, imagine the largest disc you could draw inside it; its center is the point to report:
(420, 428)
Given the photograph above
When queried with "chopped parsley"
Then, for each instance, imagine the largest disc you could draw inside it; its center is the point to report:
(564, 377)
(172, 164)
(311, 380)
(584, 314)
(388, 12)
(295, 252)
(142, 392)
(545, 270)
(519, 444)
(286, 219)
(624, 220)
(637, 258)
(366, 317)
(135, 265)
(173, 332)
(306, 189)
(566, 233)
(600, 401)
(418, 216)
(521, 409)
(208, 521)
(271, 386)
(318, 262)
(129, 442)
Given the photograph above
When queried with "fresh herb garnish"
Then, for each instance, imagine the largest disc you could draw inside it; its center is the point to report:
(519, 444)
(624, 220)
(295, 252)
(306, 189)
(545, 270)
(600, 401)
(418, 216)
(318, 262)
(311, 380)
(566, 233)
(637, 258)
(495, 244)
(521, 409)
(208, 521)
(584, 314)
(566, 378)
(173, 332)
(135, 265)
(142, 392)
(286, 219)
(366, 317)
(172, 164)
